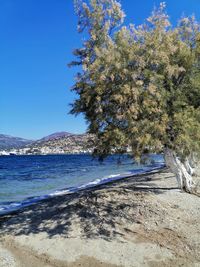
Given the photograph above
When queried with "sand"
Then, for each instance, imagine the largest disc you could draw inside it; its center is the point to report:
(138, 221)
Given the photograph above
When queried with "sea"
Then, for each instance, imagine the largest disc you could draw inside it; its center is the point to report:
(25, 180)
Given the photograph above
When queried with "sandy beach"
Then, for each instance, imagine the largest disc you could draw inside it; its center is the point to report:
(138, 221)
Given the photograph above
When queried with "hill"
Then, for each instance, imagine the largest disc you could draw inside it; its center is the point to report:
(9, 142)
(57, 143)
(56, 135)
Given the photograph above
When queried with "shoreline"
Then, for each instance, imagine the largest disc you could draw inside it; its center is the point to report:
(15, 206)
(145, 221)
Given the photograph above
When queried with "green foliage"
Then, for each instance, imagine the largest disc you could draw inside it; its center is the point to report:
(139, 88)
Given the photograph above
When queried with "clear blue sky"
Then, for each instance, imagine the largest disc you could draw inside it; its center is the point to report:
(37, 39)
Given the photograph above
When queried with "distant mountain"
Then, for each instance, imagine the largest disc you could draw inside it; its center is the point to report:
(56, 143)
(61, 143)
(9, 142)
(67, 144)
(56, 135)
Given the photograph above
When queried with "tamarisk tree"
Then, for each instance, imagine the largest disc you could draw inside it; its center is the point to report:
(139, 88)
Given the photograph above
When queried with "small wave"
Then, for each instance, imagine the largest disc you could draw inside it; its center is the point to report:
(115, 177)
(14, 206)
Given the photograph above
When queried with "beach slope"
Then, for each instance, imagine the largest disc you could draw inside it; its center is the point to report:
(138, 221)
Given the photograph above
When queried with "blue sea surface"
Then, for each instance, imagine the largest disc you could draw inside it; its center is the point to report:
(26, 179)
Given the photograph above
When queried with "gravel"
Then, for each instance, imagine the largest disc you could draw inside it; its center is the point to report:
(6, 258)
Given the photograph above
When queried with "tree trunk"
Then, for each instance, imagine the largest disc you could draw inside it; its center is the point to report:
(182, 171)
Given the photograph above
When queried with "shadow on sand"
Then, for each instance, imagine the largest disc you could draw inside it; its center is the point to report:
(91, 213)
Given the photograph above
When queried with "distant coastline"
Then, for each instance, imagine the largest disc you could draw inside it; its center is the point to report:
(54, 144)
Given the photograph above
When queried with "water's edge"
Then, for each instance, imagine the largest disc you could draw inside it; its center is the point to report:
(15, 206)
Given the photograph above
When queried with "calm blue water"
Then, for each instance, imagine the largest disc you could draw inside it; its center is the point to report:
(26, 179)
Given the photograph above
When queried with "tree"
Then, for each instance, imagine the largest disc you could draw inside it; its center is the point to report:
(140, 86)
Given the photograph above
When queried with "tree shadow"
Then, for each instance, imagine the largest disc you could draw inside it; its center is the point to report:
(92, 213)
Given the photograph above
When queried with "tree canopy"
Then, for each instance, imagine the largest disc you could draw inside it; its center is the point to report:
(139, 87)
